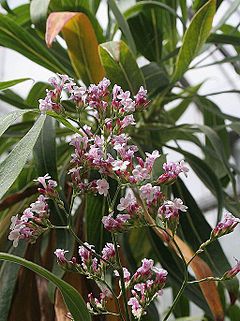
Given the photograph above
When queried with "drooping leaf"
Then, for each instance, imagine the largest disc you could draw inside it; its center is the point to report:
(72, 298)
(11, 167)
(121, 66)
(10, 83)
(17, 38)
(7, 120)
(8, 278)
(81, 41)
(194, 38)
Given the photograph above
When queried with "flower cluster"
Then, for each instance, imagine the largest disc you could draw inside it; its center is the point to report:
(35, 219)
(89, 264)
(145, 284)
(31, 224)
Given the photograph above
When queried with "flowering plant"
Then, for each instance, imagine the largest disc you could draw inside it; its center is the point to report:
(102, 155)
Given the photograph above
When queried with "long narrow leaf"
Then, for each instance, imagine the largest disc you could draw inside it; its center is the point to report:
(11, 167)
(72, 298)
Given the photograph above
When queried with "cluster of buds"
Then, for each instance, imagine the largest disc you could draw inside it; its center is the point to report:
(53, 97)
(226, 226)
(98, 306)
(168, 213)
(145, 285)
(31, 224)
(89, 264)
(172, 171)
(35, 219)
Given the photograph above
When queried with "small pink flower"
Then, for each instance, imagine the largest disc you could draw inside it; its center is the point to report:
(128, 120)
(126, 202)
(145, 269)
(102, 186)
(108, 252)
(140, 173)
(137, 309)
(161, 275)
(232, 272)
(60, 254)
(149, 192)
(227, 225)
(119, 165)
(150, 159)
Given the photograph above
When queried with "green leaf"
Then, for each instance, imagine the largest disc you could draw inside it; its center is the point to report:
(72, 298)
(123, 25)
(224, 39)
(207, 176)
(64, 121)
(156, 78)
(139, 6)
(45, 149)
(10, 83)
(157, 169)
(8, 279)
(11, 167)
(194, 38)
(121, 66)
(28, 44)
(7, 120)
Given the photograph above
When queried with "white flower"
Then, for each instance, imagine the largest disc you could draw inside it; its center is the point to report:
(102, 186)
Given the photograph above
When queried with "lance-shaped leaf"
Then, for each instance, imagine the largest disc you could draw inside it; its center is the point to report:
(82, 43)
(121, 66)
(72, 298)
(10, 83)
(11, 167)
(194, 38)
(7, 120)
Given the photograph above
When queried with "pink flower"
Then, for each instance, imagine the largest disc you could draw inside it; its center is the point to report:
(174, 169)
(108, 252)
(149, 192)
(137, 309)
(128, 120)
(227, 225)
(140, 173)
(115, 224)
(161, 275)
(102, 186)
(233, 272)
(150, 159)
(119, 165)
(170, 209)
(141, 97)
(145, 269)
(126, 202)
(84, 253)
(60, 254)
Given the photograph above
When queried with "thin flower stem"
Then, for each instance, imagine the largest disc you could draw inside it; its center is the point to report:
(79, 240)
(114, 296)
(207, 279)
(120, 270)
(60, 227)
